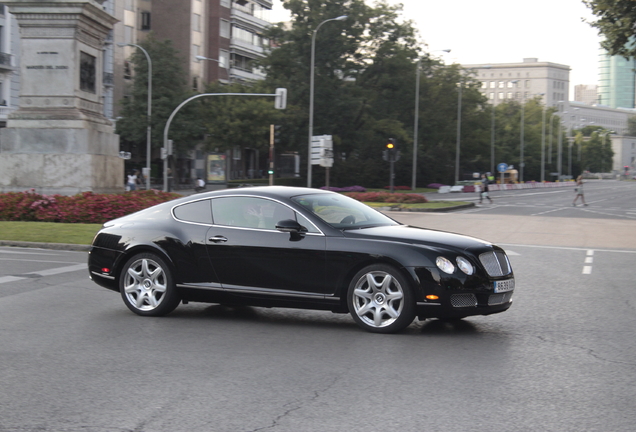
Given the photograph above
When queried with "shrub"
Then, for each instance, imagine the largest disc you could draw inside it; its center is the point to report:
(387, 197)
(344, 189)
(435, 185)
(86, 207)
(398, 187)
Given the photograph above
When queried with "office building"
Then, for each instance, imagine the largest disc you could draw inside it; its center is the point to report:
(523, 81)
(585, 93)
(616, 81)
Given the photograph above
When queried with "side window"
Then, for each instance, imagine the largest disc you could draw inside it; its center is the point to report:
(198, 211)
(249, 212)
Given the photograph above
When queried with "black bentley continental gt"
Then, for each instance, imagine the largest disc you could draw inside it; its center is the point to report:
(297, 248)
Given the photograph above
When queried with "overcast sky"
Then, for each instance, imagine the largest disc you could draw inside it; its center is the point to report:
(504, 31)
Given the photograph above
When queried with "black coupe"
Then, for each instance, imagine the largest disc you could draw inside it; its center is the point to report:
(297, 248)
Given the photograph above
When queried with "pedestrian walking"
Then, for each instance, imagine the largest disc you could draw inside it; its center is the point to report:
(484, 189)
(132, 180)
(578, 190)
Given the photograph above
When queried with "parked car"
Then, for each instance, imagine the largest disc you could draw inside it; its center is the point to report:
(297, 248)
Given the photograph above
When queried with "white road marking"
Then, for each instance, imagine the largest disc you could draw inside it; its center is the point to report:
(587, 270)
(49, 272)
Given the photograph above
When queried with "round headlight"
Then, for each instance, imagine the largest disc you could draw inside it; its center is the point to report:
(445, 265)
(465, 266)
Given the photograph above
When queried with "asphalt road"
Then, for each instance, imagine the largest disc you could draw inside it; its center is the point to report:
(73, 358)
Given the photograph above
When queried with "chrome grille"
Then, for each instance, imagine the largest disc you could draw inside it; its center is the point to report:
(463, 300)
(497, 299)
(496, 263)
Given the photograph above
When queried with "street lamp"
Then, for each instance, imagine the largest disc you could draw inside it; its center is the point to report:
(220, 62)
(148, 147)
(417, 115)
(311, 93)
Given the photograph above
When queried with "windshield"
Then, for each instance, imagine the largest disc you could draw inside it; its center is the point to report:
(342, 212)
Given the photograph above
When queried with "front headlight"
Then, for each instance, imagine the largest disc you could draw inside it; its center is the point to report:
(445, 265)
(465, 266)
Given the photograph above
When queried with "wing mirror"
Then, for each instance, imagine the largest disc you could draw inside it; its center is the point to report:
(291, 226)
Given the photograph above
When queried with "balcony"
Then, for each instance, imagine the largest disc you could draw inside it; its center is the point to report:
(5, 61)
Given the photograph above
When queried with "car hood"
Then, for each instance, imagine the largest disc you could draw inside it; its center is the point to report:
(415, 235)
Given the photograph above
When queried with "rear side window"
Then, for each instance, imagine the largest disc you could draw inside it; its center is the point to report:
(198, 211)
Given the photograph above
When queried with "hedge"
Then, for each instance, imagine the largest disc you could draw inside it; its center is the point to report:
(86, 207)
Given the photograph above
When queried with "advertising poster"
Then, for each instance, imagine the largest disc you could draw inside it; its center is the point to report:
(216, 168)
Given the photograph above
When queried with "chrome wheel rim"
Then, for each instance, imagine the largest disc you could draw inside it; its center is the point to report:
(378, 299)
(145, 284)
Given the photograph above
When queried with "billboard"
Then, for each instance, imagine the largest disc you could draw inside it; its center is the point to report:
(216, 168)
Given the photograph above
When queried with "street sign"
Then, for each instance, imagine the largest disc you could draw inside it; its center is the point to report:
(322, 150)
(502, 167)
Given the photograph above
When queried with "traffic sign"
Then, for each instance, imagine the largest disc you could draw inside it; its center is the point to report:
(502, 167)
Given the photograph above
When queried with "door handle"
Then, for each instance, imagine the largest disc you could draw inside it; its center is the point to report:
(218, 239)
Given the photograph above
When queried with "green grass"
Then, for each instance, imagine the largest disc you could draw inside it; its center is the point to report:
(49, 232)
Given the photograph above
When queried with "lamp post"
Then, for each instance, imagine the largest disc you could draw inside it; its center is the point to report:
(459, 129)
(416, 121)
(148, 147)
(220, 62)
(311, 93)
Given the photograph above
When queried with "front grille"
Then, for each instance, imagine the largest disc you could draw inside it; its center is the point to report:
(496, 263)
(463, 300)
(497, 299)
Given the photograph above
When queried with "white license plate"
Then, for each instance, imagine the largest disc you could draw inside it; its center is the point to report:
(504, 286)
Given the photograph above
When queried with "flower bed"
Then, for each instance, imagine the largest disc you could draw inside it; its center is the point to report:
(401, 198)
(86, 207)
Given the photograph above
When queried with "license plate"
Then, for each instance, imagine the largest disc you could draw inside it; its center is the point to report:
(504, 286)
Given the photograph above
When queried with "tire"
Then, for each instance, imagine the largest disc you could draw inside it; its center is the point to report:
(147, 287)
(380, 299)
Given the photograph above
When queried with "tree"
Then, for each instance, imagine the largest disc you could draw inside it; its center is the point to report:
(168, 91)
(365, 89)
(617, 23)
(631, 126)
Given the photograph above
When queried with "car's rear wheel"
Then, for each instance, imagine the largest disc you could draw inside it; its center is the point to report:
(147, 287)
(380, 299)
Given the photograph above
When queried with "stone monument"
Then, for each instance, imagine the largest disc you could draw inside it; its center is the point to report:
(58, 140)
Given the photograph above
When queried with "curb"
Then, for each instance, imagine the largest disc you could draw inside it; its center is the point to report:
(55, 246)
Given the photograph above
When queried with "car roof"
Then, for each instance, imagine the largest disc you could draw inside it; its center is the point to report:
(265, 191)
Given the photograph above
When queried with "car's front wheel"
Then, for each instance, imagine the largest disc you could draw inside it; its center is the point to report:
(380, 299)
(147, 287)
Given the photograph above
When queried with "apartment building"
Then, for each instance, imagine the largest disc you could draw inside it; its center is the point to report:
(523, 81)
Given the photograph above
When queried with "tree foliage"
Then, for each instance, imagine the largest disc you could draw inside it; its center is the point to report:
(616, 21)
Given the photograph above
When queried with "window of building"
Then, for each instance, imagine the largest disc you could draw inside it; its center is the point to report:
(196, 22)
(510, 84)
(492, 84)
(501, 84)
(491, 96)
(225, 3)
(224, 59)
(224, 29)
(128, 34)
(196, 50)
(527, 83)
(509, 95)
(195, 83)
(145, 20)
(484, 84)
(87, 72)
(501, 95)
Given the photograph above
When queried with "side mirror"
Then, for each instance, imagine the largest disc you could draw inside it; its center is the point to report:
(289, 225)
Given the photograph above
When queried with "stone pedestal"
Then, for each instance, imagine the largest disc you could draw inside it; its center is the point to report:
(58, 141)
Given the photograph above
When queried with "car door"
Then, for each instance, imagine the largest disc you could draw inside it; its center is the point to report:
(248, 253)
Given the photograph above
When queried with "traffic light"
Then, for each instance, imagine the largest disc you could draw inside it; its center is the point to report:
(277, 134)
(391, 145)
